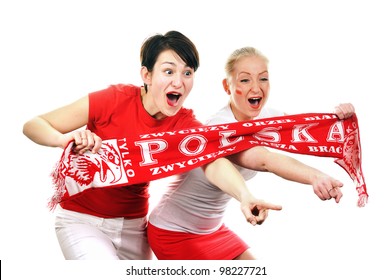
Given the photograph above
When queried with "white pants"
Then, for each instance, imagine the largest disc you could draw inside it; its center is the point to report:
(87, 237)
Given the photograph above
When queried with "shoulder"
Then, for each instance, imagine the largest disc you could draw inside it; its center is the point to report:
(187, 113)
(224, 115)
(114, 93)
(187, 118)
(126, 90)
(270, 112)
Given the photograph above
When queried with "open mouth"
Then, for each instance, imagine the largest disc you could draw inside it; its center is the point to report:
(172, 98)
(254, 101)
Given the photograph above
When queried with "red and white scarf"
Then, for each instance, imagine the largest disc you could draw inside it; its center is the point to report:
(124, 161)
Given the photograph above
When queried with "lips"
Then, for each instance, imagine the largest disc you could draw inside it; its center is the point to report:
(172, 98)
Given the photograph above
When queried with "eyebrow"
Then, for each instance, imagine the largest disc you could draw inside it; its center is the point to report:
(175, 65)
(168, 62)
(244, 72)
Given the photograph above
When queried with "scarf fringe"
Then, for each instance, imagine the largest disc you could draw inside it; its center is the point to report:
(362, 200)
(58, 182)
(362, 195)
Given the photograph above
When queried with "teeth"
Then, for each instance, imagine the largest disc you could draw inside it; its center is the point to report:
(254, 100)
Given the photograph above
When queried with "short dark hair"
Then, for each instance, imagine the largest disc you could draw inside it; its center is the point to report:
(172, 40)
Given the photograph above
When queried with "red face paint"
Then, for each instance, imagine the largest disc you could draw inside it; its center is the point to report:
(237, 91)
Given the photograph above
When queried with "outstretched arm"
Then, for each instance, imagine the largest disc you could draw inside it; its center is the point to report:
(260, 159)
(225, 176)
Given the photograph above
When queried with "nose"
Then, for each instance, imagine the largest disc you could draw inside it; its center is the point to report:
(177, 80)
(255, 87)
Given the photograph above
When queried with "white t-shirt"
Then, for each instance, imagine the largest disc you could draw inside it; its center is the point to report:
(192, 204)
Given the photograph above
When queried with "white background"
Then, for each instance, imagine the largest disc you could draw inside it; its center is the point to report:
(321, 53)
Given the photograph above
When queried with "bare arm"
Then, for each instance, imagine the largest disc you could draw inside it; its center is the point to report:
(260, 159)
(53, 128)
(224, 175)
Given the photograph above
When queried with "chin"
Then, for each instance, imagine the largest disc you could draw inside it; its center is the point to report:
(171, 113)
(254, 114)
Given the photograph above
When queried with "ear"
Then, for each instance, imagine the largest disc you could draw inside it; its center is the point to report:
(226, 86)
(146, 75)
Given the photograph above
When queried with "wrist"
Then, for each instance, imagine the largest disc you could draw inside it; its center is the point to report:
(245, 196)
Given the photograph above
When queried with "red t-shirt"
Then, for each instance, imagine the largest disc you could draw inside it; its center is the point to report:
(118, 112)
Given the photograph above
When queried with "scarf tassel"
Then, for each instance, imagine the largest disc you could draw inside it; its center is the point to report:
(58, 183)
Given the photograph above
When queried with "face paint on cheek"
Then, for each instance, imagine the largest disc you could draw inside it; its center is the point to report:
(237, 91)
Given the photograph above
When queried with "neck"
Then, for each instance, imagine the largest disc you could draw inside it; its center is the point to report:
(238, 115)
(149, 106)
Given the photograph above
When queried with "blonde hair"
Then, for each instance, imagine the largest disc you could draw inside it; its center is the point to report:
(240, 53)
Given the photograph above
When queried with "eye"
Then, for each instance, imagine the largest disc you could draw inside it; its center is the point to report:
(264, 79)
(244, 80)
(188, 73)
(168, 71)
